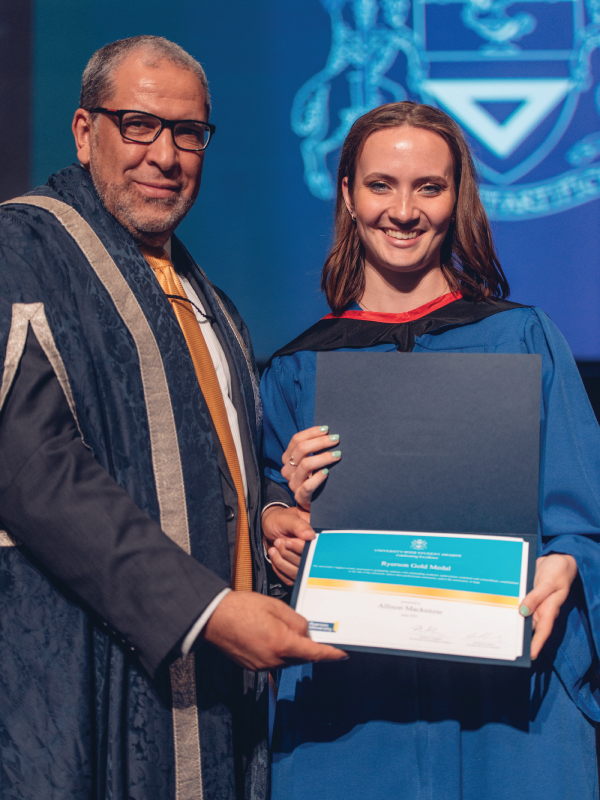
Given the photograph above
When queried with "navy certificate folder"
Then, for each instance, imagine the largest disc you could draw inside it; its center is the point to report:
(441, 442)
(435, 442)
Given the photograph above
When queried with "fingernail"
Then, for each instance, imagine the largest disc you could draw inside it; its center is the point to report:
(336, 453)
(325, 471)
(335, 437)
(524, 611)
(324, 428)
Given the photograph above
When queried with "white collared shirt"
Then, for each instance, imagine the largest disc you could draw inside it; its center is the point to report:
(221, 364)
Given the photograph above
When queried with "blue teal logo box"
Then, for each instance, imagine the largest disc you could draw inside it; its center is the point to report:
(518, 78)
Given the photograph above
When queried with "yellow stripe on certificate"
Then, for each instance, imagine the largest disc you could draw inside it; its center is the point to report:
(414, 591)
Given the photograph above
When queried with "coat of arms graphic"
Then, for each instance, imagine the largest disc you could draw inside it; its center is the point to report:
(419, 544)
(518, 80)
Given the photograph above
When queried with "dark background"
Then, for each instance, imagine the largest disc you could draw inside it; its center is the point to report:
(256, 229)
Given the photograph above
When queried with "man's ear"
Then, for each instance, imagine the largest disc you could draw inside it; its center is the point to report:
(82, 131)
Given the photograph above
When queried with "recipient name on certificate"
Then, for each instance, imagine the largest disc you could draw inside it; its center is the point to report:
(453, 594)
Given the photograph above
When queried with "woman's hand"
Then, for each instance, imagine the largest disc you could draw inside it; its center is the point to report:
(554, 575)
(304, 472)
(284, 532)
(286, 529)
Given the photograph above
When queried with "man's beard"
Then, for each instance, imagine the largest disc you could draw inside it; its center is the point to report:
(149, 220)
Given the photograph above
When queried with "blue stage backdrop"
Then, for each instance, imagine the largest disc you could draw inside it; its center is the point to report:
(289, 77)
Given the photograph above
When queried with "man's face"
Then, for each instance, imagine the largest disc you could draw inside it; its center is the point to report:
(148, 188)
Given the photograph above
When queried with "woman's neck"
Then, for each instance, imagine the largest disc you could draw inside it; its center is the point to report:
(399, 293)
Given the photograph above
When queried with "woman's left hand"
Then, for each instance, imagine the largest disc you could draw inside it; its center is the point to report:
(554, 575)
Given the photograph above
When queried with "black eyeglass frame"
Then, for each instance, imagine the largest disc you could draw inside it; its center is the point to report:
(164, 123)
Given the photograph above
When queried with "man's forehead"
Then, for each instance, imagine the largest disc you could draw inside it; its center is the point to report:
(155, 80)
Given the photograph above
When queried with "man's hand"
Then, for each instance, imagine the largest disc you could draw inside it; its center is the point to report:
(554, 575)
(285, 530)
(260, 632)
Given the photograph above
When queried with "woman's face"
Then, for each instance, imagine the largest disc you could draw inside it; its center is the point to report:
(403, 199)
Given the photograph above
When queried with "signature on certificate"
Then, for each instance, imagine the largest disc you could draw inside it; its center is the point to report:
(427, 633)
(486, 639)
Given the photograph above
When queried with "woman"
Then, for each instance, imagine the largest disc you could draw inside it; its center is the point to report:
(413, 268)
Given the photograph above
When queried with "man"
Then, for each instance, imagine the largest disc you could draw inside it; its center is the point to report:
(129, 487)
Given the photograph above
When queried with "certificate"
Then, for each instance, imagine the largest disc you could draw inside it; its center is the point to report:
(427, 594)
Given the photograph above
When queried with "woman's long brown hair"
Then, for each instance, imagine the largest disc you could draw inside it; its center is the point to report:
(468, 257)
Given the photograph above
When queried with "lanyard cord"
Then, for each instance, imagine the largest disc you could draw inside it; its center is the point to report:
(207, 317)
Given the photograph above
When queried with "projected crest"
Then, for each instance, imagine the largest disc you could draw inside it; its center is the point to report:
(517, 78)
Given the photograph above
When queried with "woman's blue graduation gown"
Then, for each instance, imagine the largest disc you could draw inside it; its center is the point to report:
(378, 727)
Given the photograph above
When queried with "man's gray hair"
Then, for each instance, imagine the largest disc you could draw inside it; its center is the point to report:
(97, 80)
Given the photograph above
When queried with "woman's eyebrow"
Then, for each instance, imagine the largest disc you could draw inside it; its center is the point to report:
(433, 179)
(379, 176)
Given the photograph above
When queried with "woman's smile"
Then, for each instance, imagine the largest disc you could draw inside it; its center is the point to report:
(402, 236)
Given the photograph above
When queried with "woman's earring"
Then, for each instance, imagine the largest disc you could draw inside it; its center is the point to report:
(353, 217)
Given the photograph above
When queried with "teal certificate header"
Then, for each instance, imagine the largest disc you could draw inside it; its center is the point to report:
(486, 565)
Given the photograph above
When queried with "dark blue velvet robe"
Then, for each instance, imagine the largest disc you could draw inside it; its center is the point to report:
(79, 716)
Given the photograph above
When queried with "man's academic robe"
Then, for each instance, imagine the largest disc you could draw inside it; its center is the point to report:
(389, 726)
(119, 516)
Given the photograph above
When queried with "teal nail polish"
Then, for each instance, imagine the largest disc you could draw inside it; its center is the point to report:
(325, 471)
(336, 453)
(335, 437)
(324, 428)
(524, 611)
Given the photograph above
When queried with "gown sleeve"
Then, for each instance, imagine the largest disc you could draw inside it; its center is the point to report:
(569, 507)
(278, 390)
(82, 527)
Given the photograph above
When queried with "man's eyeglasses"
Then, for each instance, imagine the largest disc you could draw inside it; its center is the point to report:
(137, 126)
